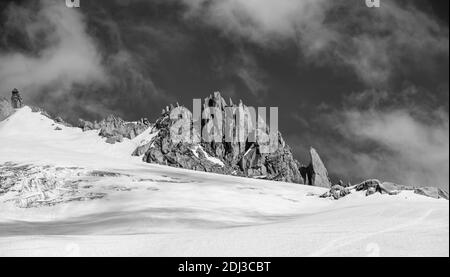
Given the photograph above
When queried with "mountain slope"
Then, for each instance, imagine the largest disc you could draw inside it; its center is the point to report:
(89, 197)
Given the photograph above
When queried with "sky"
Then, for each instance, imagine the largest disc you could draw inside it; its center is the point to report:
(367, 87)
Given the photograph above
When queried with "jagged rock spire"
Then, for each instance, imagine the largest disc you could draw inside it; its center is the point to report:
(16, 99)
(227, 155)
(315, 174)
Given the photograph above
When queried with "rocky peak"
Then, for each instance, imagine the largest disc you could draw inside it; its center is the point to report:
(373, 186)
(115, 129)
(229, 156)
(7, 108)
(236, 151)
(16, 99)
(315, 174)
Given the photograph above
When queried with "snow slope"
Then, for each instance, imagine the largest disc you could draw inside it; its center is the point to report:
(153, 210)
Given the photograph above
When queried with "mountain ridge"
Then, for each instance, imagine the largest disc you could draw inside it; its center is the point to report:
(233, 158)
(155, 146)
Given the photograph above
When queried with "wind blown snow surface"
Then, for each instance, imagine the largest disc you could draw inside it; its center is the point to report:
(101, 201)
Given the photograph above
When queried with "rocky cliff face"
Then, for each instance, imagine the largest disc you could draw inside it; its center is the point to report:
(227, 153)
(115, 129)
(164, 150)
(315, 174)
(229, 156)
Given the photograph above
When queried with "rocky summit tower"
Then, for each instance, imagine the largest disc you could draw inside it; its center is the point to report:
(16, 99)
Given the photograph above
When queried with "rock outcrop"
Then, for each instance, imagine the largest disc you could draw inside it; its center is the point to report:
(226, 154)
(115, 129)
(86, 125)
(7, 108)
(61, 121)
(315, 174)
(35, 109)
(336, 191)
(432, 192)
(374, 186)
(16, 99)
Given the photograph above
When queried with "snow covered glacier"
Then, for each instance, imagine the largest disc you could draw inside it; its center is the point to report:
(72, 194)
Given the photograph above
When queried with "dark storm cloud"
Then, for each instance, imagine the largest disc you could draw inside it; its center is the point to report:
(380, 134)
(374, 42)
(51, 52)
(60, 52)
(405, 139)
(401, 140)
(243, 66)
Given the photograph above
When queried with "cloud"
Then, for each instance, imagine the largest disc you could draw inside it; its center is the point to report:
(244, 67)
(50, 53)
(60, 52)
(262, 21)
(373, 42)
(384, 135)
(377, 132)
(381, 134)
(251, 76)
(394, 144)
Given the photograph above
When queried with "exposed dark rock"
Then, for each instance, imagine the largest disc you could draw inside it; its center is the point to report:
(114, 139)
(16, 99)
(227, 156)
(115, 129)
(443, 194)
(141, 149)
(184, 155)
(87, 125)
(373, 183)
(371, 190)
(61, 121)
(281, 165)
(391, 188)
(315, 174)
(432, 192)
(375, 186)
(41, 111)
(114, 126)
(337, 192)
